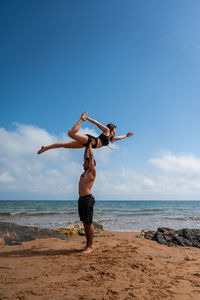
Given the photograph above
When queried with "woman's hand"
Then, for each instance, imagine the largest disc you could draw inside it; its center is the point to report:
(129, 134)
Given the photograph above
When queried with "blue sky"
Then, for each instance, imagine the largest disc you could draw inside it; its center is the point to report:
(133, 63)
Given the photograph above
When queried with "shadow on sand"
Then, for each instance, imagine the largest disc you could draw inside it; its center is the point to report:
(30, 252)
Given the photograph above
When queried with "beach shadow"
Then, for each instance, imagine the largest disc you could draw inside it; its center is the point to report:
(30, 252)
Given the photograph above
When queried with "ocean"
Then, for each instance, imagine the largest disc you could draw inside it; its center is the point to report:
(113, 215)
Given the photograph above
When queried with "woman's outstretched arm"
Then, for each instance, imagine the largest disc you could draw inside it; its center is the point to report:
(121, 137)
(105, 129)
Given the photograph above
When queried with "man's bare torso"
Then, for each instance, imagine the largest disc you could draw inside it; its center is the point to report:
(86, 182)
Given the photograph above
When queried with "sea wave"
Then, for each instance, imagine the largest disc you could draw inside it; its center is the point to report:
(24, 214)
(177, 219)
(194, 218)
(5, 214)
(152, 209)
(128, 211)
(133, 214)
(105, 220)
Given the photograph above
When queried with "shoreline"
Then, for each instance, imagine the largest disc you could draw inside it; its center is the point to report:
(126, 215)
(121, 266)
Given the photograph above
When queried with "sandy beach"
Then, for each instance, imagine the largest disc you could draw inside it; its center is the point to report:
(122, 266)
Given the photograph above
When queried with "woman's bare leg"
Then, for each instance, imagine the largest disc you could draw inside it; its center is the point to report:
(77, 126)
(73, 132)
(72, 144)
(80, 139)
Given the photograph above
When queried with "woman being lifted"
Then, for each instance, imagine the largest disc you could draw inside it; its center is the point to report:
(83, 140)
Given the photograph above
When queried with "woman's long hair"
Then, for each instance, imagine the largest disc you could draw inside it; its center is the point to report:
(111, 127)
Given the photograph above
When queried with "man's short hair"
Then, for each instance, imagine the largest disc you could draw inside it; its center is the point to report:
(89, 159)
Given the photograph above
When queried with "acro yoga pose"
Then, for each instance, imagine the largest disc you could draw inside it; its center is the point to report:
(83, 140)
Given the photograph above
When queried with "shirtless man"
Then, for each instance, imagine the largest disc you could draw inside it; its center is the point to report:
(86, 200)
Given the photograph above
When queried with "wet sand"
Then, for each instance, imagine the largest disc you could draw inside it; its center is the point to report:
(121, 267)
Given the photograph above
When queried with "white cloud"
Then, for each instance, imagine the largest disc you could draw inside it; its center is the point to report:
(6, 178)
(55, 174)
(178, 174)
(178, 163)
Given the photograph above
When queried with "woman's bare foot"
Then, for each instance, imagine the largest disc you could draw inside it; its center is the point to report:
(88, 250)
(84, 115)
(43, 148)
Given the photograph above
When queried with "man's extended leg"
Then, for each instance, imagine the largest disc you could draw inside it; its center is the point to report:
(89, 233)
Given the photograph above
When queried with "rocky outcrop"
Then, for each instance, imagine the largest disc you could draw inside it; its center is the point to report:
(77, 228)
(14, 234)
(170, 237)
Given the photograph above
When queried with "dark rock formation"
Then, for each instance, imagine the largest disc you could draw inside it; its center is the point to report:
(170, 237)
(14, 234)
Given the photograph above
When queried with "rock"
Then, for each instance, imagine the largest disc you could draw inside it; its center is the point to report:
(170, 237)
(78, 228)
(14, 234)
(159, 237)
(148, 234)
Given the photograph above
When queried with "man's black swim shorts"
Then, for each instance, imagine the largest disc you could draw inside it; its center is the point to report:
(85, 208)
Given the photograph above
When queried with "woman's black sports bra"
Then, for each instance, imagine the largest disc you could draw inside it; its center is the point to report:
(104, 139)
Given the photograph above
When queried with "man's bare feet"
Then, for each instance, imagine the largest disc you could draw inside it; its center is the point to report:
(88, 250)
(84, 249)
(84, 115)
(41, 150)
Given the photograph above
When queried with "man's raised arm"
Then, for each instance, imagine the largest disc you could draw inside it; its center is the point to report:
(91, 159)
(86, 153)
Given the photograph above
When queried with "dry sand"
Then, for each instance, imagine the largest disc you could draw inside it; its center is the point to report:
(121, 267)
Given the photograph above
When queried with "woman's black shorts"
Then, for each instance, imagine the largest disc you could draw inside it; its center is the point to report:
(85, 208)
(90, 138)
